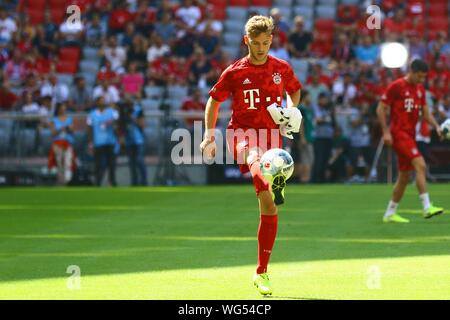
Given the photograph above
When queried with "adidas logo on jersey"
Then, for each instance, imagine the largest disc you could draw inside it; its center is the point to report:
(246, 81)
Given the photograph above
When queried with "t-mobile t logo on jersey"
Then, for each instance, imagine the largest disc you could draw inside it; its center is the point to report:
(409, 104)
(252, 97)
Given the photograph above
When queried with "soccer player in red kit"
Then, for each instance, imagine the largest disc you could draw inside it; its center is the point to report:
(406, 99)
(255, 82)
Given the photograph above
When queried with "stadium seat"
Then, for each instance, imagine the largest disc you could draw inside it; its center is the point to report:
(236, 13)
(153, 92)
(304, 11)
(345, 8)
(177, 92)
(58, 15)
(326, 25)
(58, 4)
(233, 27)
(232, 51)
(326, 11)
(67, 67)
(35, 16)
(90, 53)
(352, 2)
(150, 104)
(300, 65)
(330, 2)
(65, 78)
(282, 3)
(35, 4)
(261, 3)
(437, 11)
(261, 10)
(286, 12)
(438, 24)
(233, 39)
(239, 3)
(305, 2)
(70, 54)
(89, 66)
(89, 77)
(220, 12)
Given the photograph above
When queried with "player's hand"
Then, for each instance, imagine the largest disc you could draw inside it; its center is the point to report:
(439, 132)
(387, 137)
(209, 147)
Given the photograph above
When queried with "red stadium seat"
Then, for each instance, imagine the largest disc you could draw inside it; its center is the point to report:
(36, 16)
(67, 67)
(239, 3)
(57, 4)
(438, 24)
(220, 12)
(58, 15)
(217, 2)
(437, 11)
(324, 25)
(261, 3)
(346, 7)
(69, 54)
(34, 4)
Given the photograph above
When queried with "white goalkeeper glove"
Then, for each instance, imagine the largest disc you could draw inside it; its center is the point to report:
(288, 119)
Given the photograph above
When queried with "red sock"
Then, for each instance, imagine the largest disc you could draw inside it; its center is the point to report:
(267, 232)
(258, 180)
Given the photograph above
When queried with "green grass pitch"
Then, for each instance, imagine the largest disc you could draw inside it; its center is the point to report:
(200, 243)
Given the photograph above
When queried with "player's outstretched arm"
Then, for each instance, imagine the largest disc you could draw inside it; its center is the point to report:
(428, 116)
(293, 99)
(381, 114)
(211, 114)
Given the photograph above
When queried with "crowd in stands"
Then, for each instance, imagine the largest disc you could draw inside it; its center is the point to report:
(160, 43)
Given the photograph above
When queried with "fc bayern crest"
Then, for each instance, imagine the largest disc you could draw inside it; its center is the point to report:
(276, 78)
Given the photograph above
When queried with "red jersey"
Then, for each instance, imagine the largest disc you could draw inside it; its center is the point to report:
(406, 101)
(253, 88)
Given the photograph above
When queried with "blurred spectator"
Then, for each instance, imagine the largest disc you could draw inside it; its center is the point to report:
(278, 20)
(189, 14)
(144, 18)
(80, 96)
(115, 54)
(94, 35)
(337, 163)
(138, 52)
(106, 73)
(184, 47)
(305, 143)
(367, 52)
(71, 33)
(299, 39)
(15, 68)
(102, 137)
(133, 123)
(166, 29)
(343, 50)
(277, 50)
(209, 22)
(344, 91)
(163, 71)
(165, 7)
(62, 153)
(58, 91)
(201, 71)
(209, 42)
(193, 103)
(324, 133)
(417, 48)
(106, 90)
(128, 36)
(360, 151)
(347, 23)
(315, 88)
(157, 49)
(444, 109)
(119, 17)
(7, 25)
(30, 105)
(397, 25)
(132, 82)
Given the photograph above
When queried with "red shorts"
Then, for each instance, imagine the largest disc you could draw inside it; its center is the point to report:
(240, 141)
(406, 149)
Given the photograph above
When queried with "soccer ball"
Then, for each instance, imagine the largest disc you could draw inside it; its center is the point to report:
(276, 162)
(446, 129)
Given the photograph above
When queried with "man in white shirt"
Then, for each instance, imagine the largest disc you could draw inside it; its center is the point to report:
(189, 14)
(115, 54)
(108, 91)
(7, 25)
(158, 49)
(58, 91)
(344, 89)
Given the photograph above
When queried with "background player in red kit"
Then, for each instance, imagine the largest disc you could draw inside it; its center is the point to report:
(254, 82)
(406, 99)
